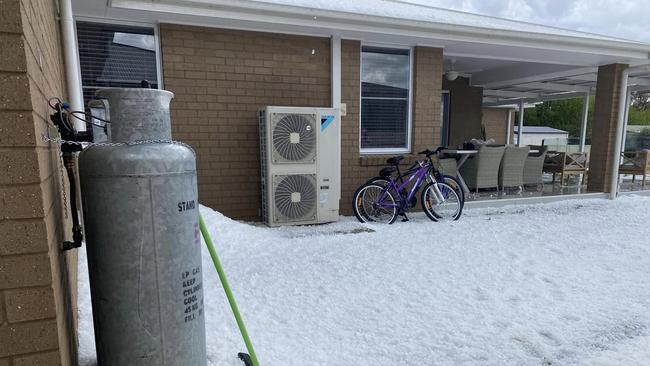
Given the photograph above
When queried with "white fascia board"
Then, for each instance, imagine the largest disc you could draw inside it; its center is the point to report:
(520, 58)
(509, 94)
(593, 77)
(505, 79)
(332, 20)
(556, 87)
(589, 77)
(640, 88)
(638, 81)
(541, 98)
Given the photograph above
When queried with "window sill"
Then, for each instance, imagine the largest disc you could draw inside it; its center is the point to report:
(380, 160)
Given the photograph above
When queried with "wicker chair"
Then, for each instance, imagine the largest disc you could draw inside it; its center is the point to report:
(636, 162)
(482, 170)
(511, 171)
(534, 166)
(448, 166)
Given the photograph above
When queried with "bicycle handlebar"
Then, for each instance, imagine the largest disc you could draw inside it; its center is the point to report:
(428, 152)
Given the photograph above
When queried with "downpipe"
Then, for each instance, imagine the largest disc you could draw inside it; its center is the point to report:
(72, 68)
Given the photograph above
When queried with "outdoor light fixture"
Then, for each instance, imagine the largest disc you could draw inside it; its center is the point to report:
(452, 75)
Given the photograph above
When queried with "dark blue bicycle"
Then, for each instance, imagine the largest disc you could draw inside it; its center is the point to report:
(384, 198)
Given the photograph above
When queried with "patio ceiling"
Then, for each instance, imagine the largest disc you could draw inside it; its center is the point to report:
(567, 87)
(505, 82)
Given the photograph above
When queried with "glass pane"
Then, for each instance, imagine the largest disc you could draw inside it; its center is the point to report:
(384, 123)
(115, 56)
(444, 130)
(384, 73)
(385, 77)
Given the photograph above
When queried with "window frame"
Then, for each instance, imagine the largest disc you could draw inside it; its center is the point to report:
(156, 35)
(444, 139)
(409, 117)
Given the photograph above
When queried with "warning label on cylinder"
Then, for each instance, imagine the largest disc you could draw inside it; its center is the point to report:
(192, 294)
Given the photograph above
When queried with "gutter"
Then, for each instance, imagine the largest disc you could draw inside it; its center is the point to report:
(71, 57)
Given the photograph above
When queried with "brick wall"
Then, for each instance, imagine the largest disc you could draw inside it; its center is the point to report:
(221, 78)
(603, 135)
(465, 109)
(37, 280)
(495, 121)
(352, 174)
(427, 87)
(427, 73)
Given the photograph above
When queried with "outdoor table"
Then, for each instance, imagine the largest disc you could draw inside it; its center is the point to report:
(463, 155)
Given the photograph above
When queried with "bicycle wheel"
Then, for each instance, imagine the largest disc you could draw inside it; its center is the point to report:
(373, 203)
(453, 182)
(447, 207)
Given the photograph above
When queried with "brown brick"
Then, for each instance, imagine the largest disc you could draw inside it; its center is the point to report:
(3, 318)
(29, 304)
(26, 270)
(426, 95)
(227, 75)
(5, 362)
(28, 337)
(41, 359)
(604, 126)
(495, 121)
(19, 166)
(16, 129)
(31, 70)
(15, 94)
(22, 236)
(465, 112)
(13, 53)
(10, 21)
(22, 202)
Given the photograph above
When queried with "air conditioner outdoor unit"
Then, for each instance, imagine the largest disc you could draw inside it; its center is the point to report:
(300, 151)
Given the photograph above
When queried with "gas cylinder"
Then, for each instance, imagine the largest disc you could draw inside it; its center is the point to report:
(142, 235)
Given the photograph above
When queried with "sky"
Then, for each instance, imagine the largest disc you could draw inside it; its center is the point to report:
(615, 18)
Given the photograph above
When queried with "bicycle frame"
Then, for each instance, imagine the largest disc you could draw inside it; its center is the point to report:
(420, 173)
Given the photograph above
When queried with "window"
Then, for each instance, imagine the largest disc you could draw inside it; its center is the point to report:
(115, 56)
(444, 117)
(385, 99)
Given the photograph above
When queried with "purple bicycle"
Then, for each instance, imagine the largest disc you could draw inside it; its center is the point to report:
(382, 202)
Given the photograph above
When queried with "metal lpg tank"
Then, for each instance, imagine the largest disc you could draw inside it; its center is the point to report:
(142, 233)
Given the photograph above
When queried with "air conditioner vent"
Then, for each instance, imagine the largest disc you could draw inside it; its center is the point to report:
(293, 137)
(294, 197)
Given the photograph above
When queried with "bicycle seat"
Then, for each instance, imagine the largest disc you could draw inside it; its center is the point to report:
(387, 172)
(395, 160)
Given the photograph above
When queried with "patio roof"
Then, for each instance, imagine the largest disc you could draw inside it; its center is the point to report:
(568, 84)
(511, 60)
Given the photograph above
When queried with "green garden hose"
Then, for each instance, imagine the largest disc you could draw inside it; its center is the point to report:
(231, 298)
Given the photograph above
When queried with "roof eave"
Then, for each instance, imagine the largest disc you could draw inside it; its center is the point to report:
(271, 14)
